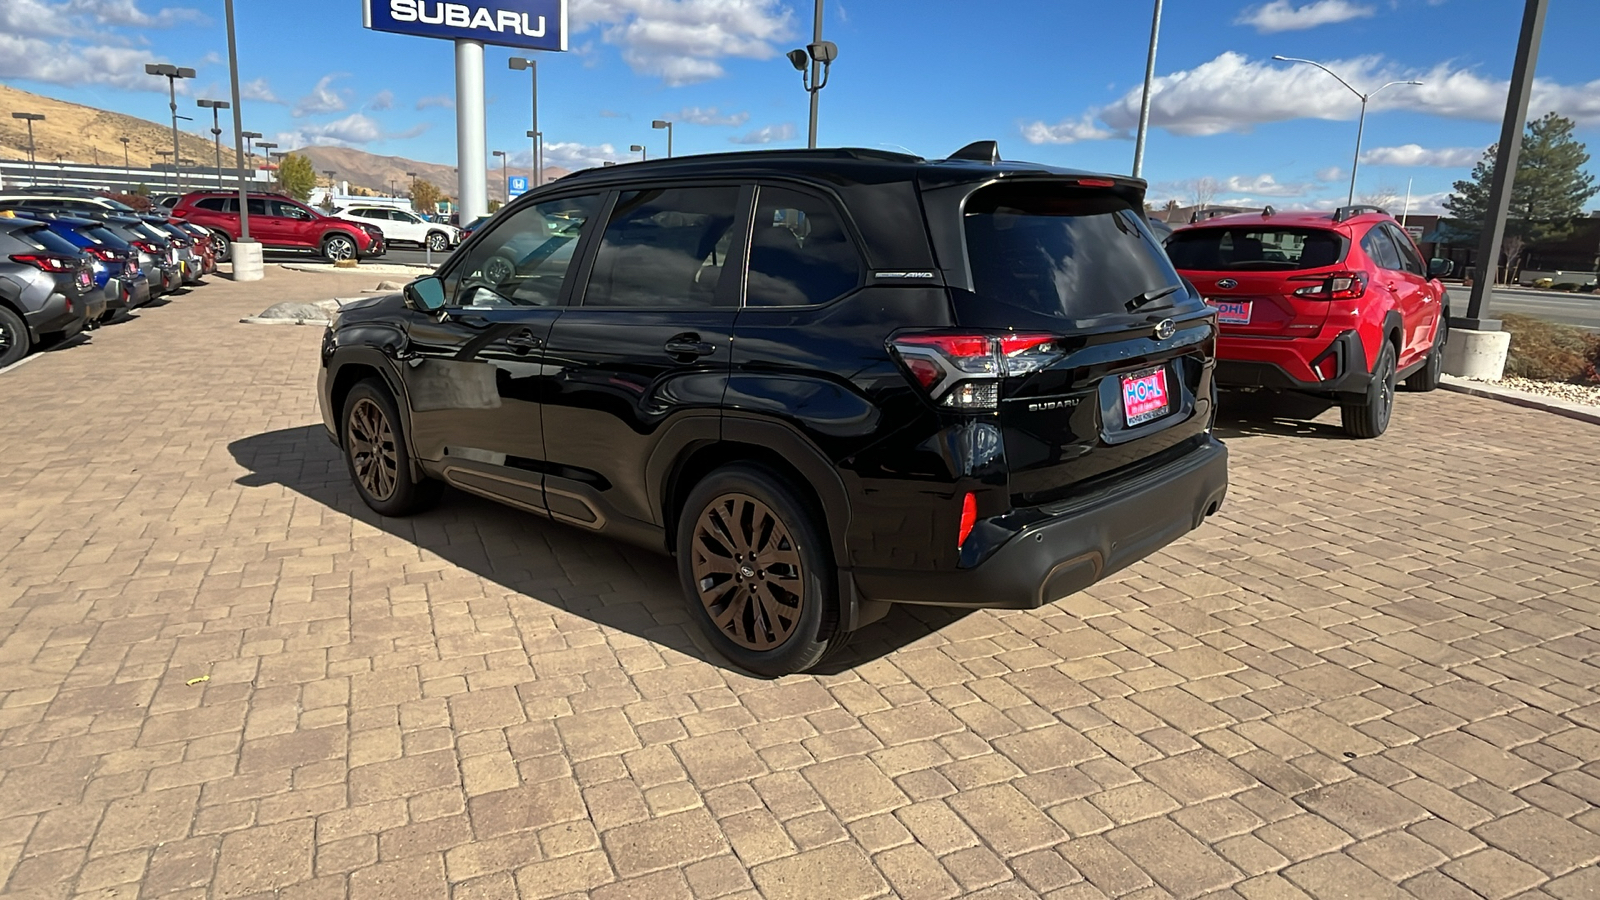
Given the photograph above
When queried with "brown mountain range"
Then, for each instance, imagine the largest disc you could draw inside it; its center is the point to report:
(83, 134)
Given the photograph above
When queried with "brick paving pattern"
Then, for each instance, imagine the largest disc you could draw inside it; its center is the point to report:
(1373, 675)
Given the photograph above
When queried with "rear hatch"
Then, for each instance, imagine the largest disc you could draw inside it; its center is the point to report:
(1250, 274)
(1103, 349)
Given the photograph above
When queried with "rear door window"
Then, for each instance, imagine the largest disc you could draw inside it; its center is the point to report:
(215, 204)
(1254, 249)
(800, 252)
(1064, 251)
(1410, 259)
(1378, 246)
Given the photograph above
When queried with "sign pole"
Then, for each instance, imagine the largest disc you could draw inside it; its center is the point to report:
(471, 133)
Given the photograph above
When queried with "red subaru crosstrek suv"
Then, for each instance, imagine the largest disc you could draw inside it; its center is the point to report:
(279, 223)
(1340, 305)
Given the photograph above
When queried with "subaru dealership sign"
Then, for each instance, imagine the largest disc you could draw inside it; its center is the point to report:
(533, 24)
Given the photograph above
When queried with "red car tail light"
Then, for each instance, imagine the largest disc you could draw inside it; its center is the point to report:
(969, 517)
(103, 254)
(1335, 286)
(46, 262)
(147, 247)
(963, 370)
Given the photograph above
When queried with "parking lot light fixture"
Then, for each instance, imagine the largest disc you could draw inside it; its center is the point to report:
(662, 123)
(30, 118)
(1361, 123)
(538, 157)
(814, 63)
(505, 174)
(640, 148)
(172, 74)
(127, 168)
(248, 137)
(532, 67)
(216, 106)
(266, 148)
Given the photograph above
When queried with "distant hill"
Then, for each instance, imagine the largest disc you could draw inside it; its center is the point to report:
(83, 134)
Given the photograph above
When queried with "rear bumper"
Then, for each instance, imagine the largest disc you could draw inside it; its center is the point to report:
(1291, 365)
(139, 291)
(1079, 543)
(58, 315)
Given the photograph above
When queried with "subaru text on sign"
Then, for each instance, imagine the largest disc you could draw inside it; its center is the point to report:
(534, 24)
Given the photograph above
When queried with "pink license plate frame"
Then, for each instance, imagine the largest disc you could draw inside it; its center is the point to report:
(1145, 397)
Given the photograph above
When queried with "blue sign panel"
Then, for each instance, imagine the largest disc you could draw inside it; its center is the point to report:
(534, 24)
(518, 185)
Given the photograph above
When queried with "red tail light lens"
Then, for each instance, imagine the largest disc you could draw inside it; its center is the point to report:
(103, 254)
(969, 518)
(963, 370)
(1096, 182)
(1337, 286)
(46, 262)
(147, 247)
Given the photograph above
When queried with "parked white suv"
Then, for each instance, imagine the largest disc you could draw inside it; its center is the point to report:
(400, 226)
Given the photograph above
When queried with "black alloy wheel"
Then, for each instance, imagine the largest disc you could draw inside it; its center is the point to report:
(221, 246)
(13, 337)
(1370, 418)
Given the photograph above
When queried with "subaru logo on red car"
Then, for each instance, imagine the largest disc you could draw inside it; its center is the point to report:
(1227, 284)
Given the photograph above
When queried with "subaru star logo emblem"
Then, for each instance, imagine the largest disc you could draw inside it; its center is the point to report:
(1165, 329)
(1227, 284)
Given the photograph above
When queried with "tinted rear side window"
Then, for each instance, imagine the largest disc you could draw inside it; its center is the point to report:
(215, 204)
(1255, 249)
(800, 253)
(1063, 251)
(1378, 246)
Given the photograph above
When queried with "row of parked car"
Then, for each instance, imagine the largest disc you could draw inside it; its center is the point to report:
(75, 260)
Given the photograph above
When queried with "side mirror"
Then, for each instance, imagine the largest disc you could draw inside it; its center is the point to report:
(425, 294)
(1440, 268)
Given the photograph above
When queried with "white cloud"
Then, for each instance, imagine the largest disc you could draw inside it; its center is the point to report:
(127, 13)
(65, 63)
(574, 156)
(382, 100)
(767, 134)
(694, 115)
(354, 129)
(1281, 15)
(1235, 93)
(322, 99)
(1262, 185)
(1331, 173)
(1417, 155)
(1069, 131)
(441, 101)
(259, 91)
(683, 41)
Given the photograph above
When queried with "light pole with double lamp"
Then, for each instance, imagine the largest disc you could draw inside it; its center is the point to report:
(640, 148)
(172, 74)
(249, 136)
(538, 157)
(267, 146)
(30, 118)
(532, 67)
(813, 64)
(216, 106)
(662, 123)
(1361, 124)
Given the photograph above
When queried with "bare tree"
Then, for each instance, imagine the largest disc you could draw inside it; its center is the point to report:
(1384, 195)
(1203, 190)
(1511, 248)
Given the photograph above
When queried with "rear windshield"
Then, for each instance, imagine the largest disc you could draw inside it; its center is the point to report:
(1242, 249)
(1065, 252)
(44, 239)
(103, 235)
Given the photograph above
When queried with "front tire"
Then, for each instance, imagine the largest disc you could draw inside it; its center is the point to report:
(336, 247)
(1428, 377)
(14, 342)
(437, 242)
(1370, 418)
(756, 571)
(376, 455)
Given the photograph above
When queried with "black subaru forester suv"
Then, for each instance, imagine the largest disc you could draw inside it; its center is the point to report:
(825, 380)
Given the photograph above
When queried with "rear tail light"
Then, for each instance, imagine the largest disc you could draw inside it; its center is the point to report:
(147, 247)
(46, 262)
(963, 370)
(969, 518)
(103, 254)
(1337, 286)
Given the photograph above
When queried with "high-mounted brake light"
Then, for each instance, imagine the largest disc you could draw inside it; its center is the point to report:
(1335, 286)
(45, 262)
(963, 370)
(1096, 182)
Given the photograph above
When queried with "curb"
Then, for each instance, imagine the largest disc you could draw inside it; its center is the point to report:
(1590, 414)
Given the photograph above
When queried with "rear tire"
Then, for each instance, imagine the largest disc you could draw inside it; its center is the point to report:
(221, 246)
(757, 573)
(1370, 418)
(375, 453)
(14, 341)
(1427, 378)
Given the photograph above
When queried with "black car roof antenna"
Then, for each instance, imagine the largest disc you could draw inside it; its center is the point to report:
(979, 151)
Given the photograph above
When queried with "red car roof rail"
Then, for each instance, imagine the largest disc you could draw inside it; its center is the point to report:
(1345, 212)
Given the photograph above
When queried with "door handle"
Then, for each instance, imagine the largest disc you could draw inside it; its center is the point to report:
(524, 341)
(689, 345)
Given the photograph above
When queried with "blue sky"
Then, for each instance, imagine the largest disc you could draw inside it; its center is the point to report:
(1052, 80)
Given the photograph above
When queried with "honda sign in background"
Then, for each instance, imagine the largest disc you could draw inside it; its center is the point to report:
(517, 185)
(533, 24)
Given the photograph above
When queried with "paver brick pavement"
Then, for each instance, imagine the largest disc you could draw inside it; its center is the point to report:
(1373, 674)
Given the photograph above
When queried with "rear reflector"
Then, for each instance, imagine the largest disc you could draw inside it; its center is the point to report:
(969, 518)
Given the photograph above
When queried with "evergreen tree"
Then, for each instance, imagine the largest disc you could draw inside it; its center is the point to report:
(1547, 194)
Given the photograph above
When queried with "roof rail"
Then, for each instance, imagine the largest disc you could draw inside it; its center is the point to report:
(1345, 212)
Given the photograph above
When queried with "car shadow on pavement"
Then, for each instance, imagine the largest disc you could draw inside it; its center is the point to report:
(1248, 413)
(607, 582)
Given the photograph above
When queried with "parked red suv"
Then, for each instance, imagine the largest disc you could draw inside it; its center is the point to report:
(1338, 305)
(279, 223)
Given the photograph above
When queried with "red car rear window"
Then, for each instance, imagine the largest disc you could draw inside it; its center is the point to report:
(1255, 249)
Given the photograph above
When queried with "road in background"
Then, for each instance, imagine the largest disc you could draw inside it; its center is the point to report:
(1570, 309)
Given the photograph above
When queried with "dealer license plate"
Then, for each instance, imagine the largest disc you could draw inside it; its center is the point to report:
(1232, 312)
(1144, 396)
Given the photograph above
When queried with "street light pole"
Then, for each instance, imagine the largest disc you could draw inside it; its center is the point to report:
(532, 66)
(640, 148)
(505, 174)
(538, 155)
(216, 129)
(816, 39)
(1361, 124)
(127, 168)
(660, 123)
(172, 74)
(30, 118)
(1144, 102)
(267, 146)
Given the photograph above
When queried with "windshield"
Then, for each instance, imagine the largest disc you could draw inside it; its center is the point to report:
(1255, 249)
(1064, 251)
(114, 204)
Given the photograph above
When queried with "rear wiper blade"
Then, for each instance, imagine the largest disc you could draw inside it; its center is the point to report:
(1153, 295)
